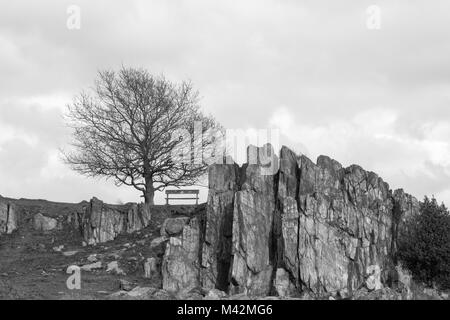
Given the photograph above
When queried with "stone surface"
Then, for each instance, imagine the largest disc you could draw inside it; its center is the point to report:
(137, 293)
(113, 267)
(8, 217)
(141, 292)
(217, 242)
(282, 283)
(158, 241)
(162, 295)
(150, 267)
(181, 261)
(193, 294)
(251, 268)
(58, 248)
(101, 222)
(92, 266)
(323, 224)
(215, 294)
(138, 217)
(70, 253)
(432, 294)
(92, 257)
(277, 228)
(405, 206)
(43, 223)
(373, 281)
(253, 213)
(173, 226)
(382, 294)
(344, 223)
(125, 285)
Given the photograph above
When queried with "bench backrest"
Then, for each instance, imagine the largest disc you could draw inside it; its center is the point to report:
(185, 191)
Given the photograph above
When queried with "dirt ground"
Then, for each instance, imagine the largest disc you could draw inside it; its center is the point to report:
(31, 268)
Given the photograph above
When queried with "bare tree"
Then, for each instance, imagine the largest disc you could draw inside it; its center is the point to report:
(129, 129)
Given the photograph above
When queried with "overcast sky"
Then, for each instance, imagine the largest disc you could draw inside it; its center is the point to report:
(378, 98)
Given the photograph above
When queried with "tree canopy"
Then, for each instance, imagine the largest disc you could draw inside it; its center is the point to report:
(424, 246)
(140, 130)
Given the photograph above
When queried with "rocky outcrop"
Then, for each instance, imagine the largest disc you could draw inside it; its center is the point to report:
(8, 217)
(254, 208)
(282, 283)
(138, 217)
(43, 223)
(217, 241)
(345, 223)
(100, 222)
(307, 228)
(344, 226)
(173, 226)
(405, 206)
(181, 262)
(150, 267)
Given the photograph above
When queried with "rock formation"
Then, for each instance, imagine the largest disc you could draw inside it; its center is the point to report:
(405, 206)
(344, 226)
(181, 262)
(43, 223)
(150, 267)
(8, 217)
(278, 225)
(315, 228)
(253, 215)
(173, 226)
(217, 241)
(100, 222)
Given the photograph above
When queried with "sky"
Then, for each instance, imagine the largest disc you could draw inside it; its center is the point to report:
(321, 72)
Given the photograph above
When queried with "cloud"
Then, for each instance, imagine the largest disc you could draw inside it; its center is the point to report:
(371, 139)
(312, 68)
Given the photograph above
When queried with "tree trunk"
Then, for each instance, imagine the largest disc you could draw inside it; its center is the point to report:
(149, 192)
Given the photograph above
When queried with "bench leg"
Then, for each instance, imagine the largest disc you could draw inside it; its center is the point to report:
(167, 201)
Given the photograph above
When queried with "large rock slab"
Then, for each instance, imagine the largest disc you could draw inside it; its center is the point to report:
(344, 226)
(8, 217)
(405, 207)
(181, 261)
(217, 240)
(308, 228)
(286, 219)
(252, 268)
(138, 217)
(101, 222)
(44, 223)
(253, 214)
(173, 226)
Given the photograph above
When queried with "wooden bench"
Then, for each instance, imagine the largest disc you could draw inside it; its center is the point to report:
(182, 192)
